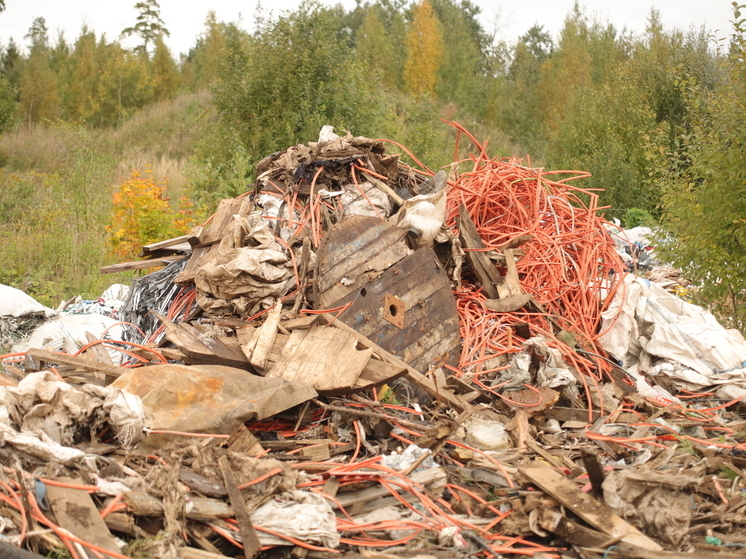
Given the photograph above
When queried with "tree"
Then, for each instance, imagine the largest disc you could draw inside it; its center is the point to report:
(424, 50)
(704, 184)
(165, 74)
(39, 93)
(149, 24)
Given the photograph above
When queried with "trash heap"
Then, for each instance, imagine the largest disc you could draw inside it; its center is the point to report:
(360, 358)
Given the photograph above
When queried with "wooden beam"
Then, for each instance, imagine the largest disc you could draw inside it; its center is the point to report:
(595, 513)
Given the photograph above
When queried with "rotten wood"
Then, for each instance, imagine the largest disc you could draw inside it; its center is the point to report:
(201, 508)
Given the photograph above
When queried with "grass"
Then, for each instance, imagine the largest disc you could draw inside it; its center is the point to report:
(56, 186)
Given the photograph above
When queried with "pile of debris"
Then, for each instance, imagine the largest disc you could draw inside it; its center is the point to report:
(361, 357)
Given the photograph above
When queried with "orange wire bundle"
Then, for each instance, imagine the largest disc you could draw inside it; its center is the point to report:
(570, 265)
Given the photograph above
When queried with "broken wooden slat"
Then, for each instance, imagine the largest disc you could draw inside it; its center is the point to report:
(243, 519)
(198, 346)
(39, 356)
(141, 264)
(487, 274)
(265, 338)
(508, 304)
(200, 508)
(76, 512)
(597, 514)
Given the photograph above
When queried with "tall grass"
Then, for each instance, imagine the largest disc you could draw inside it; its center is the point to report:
(56, 186)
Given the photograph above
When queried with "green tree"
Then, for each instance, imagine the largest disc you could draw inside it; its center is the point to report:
(149, 24)
(704, 184)
(38, 90)
(293, 77)
(164, 71)
(375, 47)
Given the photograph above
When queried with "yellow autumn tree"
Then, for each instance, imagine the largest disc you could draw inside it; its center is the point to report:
(424, 50)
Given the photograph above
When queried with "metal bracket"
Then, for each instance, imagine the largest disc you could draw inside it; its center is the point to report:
(393, 310)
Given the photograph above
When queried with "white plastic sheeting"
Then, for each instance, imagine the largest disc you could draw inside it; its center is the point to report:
(16, 303)
(656, 332)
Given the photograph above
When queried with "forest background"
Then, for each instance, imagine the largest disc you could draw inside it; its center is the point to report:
(103, 148)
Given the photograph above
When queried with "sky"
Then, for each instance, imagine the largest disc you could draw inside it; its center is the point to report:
(185, 18)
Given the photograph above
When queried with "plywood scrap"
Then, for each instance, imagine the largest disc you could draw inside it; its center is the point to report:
(76, 512)
(325, 357)
(586, 507)
(198, 345)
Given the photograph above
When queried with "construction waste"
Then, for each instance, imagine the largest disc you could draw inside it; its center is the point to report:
(361, 358)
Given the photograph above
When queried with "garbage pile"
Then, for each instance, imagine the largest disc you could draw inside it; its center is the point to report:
(360, 358)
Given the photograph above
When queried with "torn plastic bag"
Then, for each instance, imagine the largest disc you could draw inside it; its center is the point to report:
(642, 496)
(249, 267)
(657, 322)
(299, 514)
(42, 402)
(208, 398)
(422, 217)
(364, 199)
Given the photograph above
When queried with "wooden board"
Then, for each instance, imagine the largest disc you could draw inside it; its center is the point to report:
(324, 357)
(40, 356)
(595, 513)
(76, 512)
(429, 332)
(141, 264)
(200, 346)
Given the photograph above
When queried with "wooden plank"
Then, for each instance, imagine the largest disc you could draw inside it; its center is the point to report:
(194, 553)
(40, 356)
(199, 346)
(168, 243)
(220, 220)
(487, 274)
(266, 338)
(141, 264)
(223, 354)
(595, 513)
(99, 353)
(377, 373)
(430, 316)
(248, 535)
(348, 247)
(189, 272)
(76, 512)
(288, 351)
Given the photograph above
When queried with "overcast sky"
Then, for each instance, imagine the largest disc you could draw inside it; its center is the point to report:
(185, 18)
